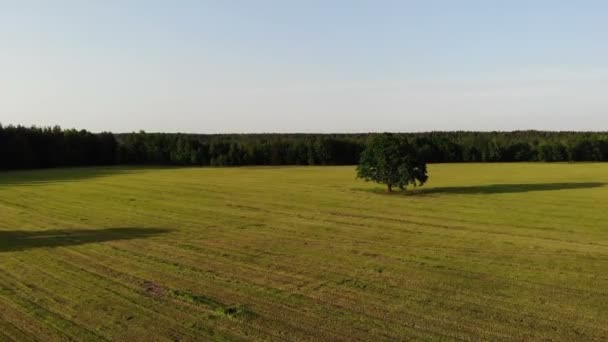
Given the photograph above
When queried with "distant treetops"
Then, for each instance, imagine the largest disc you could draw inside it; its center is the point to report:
(44, 147)
(391, 160)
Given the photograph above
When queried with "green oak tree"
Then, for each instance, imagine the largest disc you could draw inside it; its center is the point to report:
(391, 160)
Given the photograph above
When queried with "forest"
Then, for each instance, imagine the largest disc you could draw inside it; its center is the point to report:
(43, 147)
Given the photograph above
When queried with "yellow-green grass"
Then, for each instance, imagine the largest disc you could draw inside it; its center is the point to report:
(483, 251)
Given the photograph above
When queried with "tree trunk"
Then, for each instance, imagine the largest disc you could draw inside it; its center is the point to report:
(389, 187)
(401, 187)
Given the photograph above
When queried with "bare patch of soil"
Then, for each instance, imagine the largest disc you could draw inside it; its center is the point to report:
(153, 289)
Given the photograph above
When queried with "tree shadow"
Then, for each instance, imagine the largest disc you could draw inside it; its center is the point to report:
(64, 175)
(21, 240)
(45, 176)
(503, 188)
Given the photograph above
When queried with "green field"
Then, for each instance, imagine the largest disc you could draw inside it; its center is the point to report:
(483, 251)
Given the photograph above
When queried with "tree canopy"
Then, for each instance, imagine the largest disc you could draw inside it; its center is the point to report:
(392, 161)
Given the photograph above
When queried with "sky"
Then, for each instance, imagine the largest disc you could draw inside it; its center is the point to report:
(230, 66)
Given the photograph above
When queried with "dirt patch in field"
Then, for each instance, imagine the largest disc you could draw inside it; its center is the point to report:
(153, 289)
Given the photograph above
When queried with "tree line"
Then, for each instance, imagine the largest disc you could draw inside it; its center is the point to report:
(36, 147)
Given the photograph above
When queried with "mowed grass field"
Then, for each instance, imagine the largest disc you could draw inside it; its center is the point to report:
(482, 252)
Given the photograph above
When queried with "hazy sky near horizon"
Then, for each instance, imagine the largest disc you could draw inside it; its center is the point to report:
(304, 66)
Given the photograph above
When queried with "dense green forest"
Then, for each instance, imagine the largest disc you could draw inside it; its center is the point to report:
(35, 147)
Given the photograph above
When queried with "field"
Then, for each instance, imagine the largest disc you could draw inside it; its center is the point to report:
(483, 251)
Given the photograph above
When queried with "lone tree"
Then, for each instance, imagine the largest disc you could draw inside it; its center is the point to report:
(391, 160)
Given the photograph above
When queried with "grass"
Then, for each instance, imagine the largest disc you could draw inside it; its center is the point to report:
(484, 251)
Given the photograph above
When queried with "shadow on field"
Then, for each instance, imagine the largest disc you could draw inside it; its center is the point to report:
(503, 188)
(21, 240)
(64, 175)
(46, 176)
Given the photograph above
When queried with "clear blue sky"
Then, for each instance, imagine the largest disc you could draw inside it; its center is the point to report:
(305, 66)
